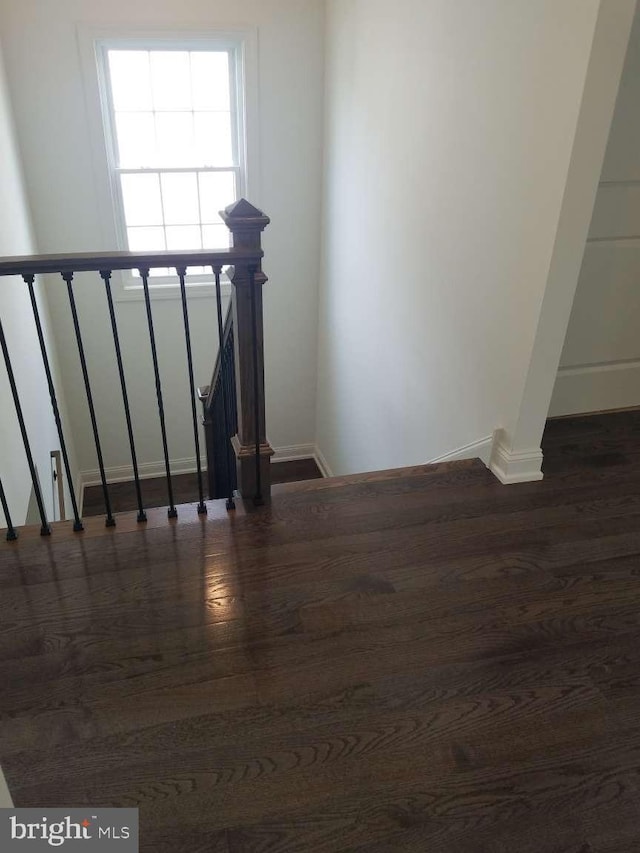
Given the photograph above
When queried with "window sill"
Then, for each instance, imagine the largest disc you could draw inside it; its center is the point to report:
(157, 292)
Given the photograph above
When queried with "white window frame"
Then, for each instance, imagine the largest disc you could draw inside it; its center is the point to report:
(94, 44)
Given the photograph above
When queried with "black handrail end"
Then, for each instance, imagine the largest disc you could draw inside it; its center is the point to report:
(45, 530)
(141, 517)
(12, 535)
(202, 508)
(172, 512)
(78, 527)
(110, 522)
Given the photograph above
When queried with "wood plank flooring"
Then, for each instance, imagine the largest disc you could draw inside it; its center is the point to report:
(185, 488)
(425, 662)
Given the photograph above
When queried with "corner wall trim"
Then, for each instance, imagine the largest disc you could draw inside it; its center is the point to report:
(480, 449)
(321, 462)
(509, 466)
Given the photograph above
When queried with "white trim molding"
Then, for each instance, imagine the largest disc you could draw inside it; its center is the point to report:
(480, 449)
(124, 474)
(151, 470)
(321, 462)
(514, 466)
(146, 470)
(596, 387)
(294, 452)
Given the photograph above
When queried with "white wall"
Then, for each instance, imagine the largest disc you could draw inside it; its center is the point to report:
(17, 318)
(46, 83)
(449, 135)
(600, 364)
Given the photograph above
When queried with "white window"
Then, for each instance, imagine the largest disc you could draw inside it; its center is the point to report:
(175, 140)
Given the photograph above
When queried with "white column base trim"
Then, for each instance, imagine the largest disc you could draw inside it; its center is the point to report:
(509, 466)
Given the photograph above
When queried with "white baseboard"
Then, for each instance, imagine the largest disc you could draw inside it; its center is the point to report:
(294, 452)
(596, 388)
(523, 466)
(146, 470)
(480, 449)
(322, 463)
(151, 470)
(508, 467)
(124, 474)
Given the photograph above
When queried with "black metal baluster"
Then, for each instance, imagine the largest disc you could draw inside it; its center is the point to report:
(182, 271)
(258, 501)
(106, 277)
(225, 408)
(45, 530)
(144, 273)
(77, 522)
(12, 534)
(68, 278)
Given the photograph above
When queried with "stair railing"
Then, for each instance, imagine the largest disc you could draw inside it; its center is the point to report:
(220, 416)
(238, 382)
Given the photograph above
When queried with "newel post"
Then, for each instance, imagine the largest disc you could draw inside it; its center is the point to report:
(246, 224)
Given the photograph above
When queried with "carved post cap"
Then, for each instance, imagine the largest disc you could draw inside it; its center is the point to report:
(245, 222)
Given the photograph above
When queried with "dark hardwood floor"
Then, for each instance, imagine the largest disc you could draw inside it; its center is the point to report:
(426, 662)
(185, 488)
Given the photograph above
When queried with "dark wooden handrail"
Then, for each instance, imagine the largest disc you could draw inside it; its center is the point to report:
(97, 261)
